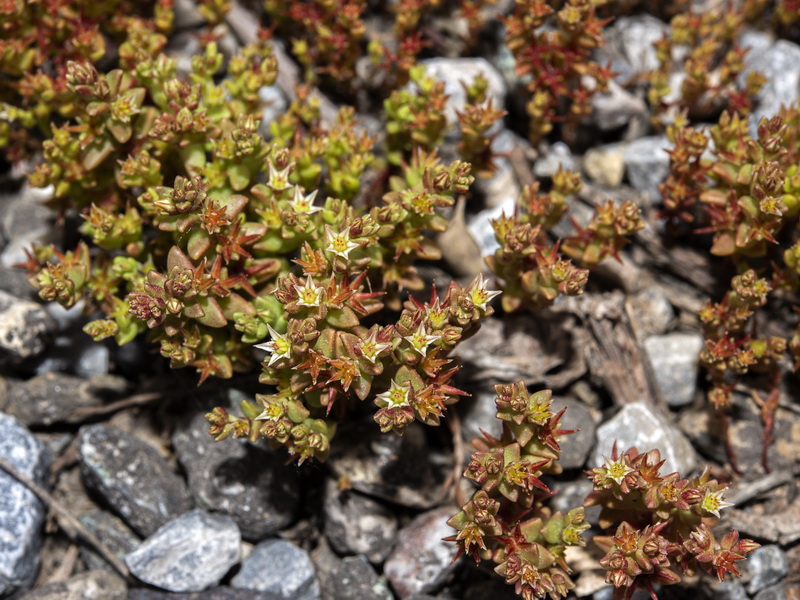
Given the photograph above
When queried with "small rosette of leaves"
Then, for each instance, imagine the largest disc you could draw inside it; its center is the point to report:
(553, 51)
(531, 270)
(505, 521)
(660, 523)
(748, 187)
(732, 344)
(702, 47)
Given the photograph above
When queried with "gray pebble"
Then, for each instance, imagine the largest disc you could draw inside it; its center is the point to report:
(21, 512)
(421, 561)
(643, 426)
(188, 554)
(131, 477)
(675, 358)
(280, 569)
(357, 524)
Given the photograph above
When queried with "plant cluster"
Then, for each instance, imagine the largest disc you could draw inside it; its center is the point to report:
(552, 49)
(786, 13)
(327, 36)
(744, 192)
(506, 520)
(533, 270)
(322, 358)
(700, 67)
(212, 233)
(659, 523)
(34, 35)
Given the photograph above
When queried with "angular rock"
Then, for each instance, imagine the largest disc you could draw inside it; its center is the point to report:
(765, 566)
(53, 398)
(652, 310)
(112, 532)
(327, 566)
(131, 477)
(390, 467)
(25, 329)
(675, 358)
(643, 426)
(357, 580)
(616, 108)
(21, 512)
(357, 524)
(571, 494)
(575, 447)
(421, 561)
(605, 165)
(274, 102)
(780, 64)
(188, 554)
(89, 585)
(629, 45)
(237, 478)
(280, 569)
(455, 71)
(558, 156)
(74, 353)
(647, 165)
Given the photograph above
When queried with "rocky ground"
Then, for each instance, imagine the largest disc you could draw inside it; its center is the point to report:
(138, 501)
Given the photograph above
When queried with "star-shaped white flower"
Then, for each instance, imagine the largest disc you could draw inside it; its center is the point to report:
(309, 294)
(396, 396)
(713, 502)
(278, 180)
(478, 293)
(437, 316)
(617, 470)
(272, 412)
(339, 243)
(420, 340)
(279, 347)
(304, 204)
(370, 347)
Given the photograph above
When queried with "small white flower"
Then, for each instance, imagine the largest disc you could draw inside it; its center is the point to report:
(309, 294)
(304, 204)
(420, 340)
(713, 502)
(478, 293)
(340, 243)
(396, 396)
(371, 348)
(279, 347)
(437, 316)
(617, 470)
(272, 412)
(278, 180)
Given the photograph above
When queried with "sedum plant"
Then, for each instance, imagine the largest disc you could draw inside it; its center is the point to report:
(700, 67)
(506, 520)
(532, 270)
(659, 524)
(743, 191)
(552, 48)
